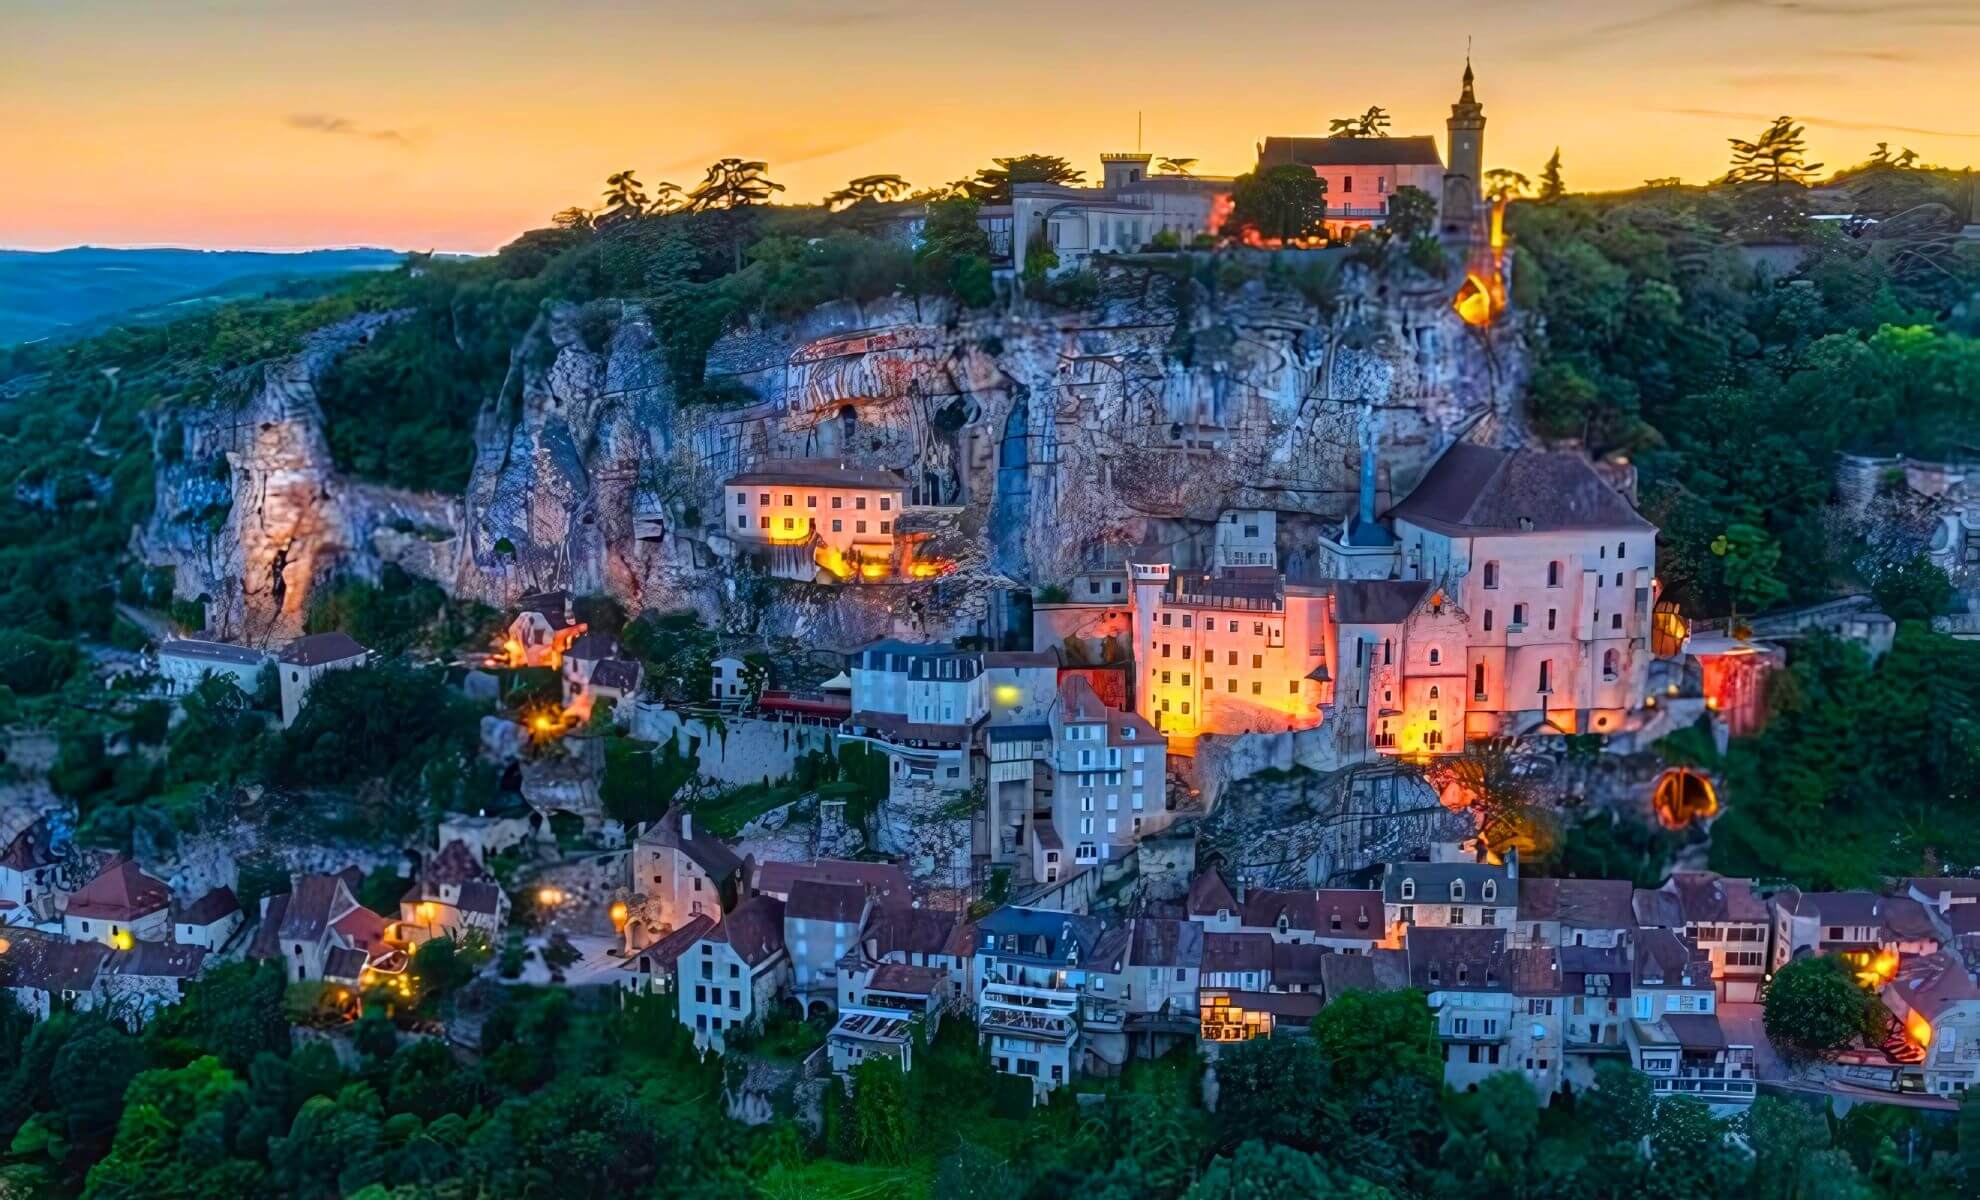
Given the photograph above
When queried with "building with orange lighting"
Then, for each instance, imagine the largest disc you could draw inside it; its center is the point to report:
(1936, 1005)
(1873, 932)
(1723, 918)
(454, 894)
(1735, 672)
(543, 628)
(1553, 575)
(681, 872)
(809, 515)
(593, 670)
(1227, 651)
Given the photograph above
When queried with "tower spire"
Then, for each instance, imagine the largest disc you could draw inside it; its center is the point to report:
(1468, 97)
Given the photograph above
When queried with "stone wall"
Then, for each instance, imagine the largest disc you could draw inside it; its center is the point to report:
(744, 750)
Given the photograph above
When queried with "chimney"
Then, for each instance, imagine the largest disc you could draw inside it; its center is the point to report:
(1512, 862)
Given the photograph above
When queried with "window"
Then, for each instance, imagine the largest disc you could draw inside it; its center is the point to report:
(1546, 677)
(1488, 620)
(1552, 614)
(1347, 183)
(1168, 618)
(1388, 651)
(859, 502)
(789, 523)
(763, 498)
(1292, 687)
(1622, 548)
(1233, 627)
(1185, 708)
(1615, 620)
(1185, 620)
(1554, 573)
(838, 502)
(1492, 574)
(1457, 889)
(1409, 889)
(789, 500)
(1611, 661)
(1436, 656)
(1230, 685)
(1165, 649)
(1518, 617)
(763, 522)
(886, 502)
(1433, 692)
(1231, 659)
(1209, 684)
(1257, 688)
(1490, 891)
(811, 501)
(1478, 681)
(1186, 646)
(886, 526)
(742, 522)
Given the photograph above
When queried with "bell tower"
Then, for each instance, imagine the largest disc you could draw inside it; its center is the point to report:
(1464, 178)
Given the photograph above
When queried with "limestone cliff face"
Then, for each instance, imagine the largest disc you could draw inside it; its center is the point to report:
(1038, 443)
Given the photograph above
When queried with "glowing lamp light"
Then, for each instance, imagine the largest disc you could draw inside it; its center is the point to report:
(873, 570)
(122, 940)
(549, 896)
(426, 911)
(5, 945)
(1918, 1028)
(543, 723)
(1007, 694)
(619, 915)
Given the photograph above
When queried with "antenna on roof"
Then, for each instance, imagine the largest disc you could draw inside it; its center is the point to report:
(1137, 131)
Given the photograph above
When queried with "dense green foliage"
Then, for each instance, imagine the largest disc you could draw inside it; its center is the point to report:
(1815, 1007)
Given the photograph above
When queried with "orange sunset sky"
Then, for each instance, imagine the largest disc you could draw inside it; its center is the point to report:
(454, 125)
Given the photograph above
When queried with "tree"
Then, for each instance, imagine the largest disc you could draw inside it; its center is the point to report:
(1412, 214)
(955, 251)
(625, 198)
(1815, 1008)
(1502, 184)
(1749, 555)
(1274, 1088)
(1283, 204)
(1792, 1155)
(992, 184)
(1373, 123)
(869, 189)
(1511, 812)
(1174, 166)
(1551, 187)
(666, 198)
(1778, 157)
(1911, 589)
(1263, 1171)
(1368, 1036)
(733, 187)
(1623, 1103)
(880, 1118)
(573, 218)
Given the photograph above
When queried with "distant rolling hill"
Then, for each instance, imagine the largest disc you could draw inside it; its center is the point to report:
(52, 293)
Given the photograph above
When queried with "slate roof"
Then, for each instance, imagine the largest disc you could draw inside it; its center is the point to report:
(315, 649)
(1166, 942)
(755, 930)
(918, 931)
(1358, 910)
(1378, 601)
(1434, 879)
(311, 901)
(344, 963)
(1696, 1031)
(1536, 971)
(1477, 489)
(1656, 909)
(1414, 150)
(1381, 971)
(1298, 1007)
(817, 472)
(1579, 903)
(211, 907)
(1665, 960)
(158, 960)
(1296, 964)
(1902, 916)
(619, 674)
(1578, 963)
(1467, 960)
(121, 893)
(1038, 934)
(817, 900)
(482, 897)
(905, 980)
(593, 647)
(50, 964)
(705, 850)
(1932, 983)
(267, 941)
(220, 652)
(454, 865)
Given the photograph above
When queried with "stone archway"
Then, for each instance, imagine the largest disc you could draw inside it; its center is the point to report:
(1683, 796)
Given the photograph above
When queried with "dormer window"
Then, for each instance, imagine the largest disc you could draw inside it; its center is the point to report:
(1409, 889)
(1436, 976)
(1490, 891)
(1284, 924)
(1457, 889)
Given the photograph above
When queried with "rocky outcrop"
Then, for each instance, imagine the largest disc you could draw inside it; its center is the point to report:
(1037, 443)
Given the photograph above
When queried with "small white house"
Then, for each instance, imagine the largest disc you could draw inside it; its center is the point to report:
(208, 921)
(120, 907)
(185, 661)
(727, 683)
(306, 660)
(729, 978)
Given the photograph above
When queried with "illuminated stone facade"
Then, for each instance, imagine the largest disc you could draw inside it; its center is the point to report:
(824, 514)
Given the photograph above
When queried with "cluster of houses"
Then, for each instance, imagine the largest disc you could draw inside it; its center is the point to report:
(1547, 977)
(184, 662)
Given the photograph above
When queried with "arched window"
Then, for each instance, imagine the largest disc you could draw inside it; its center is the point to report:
(1492, 574)
(1409, 889)
(1436, 656)
(1490, 891)
(1611, 664)
(1433, 691)
(1457, 889)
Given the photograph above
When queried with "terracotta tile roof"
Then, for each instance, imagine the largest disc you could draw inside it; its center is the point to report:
(1467, 960)
(167, 960)
(121, 893)
(50, 964)
(755, 930)
(1536, 971)
(29, 851)
(1474, 488)
(364, 929)
(1227, 952)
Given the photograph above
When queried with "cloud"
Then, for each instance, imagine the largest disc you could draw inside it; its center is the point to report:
(780, 148)
(344, 127)
(1944, 13)
(1721, 114)
(1883, 56)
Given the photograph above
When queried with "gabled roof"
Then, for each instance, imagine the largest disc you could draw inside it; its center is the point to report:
(364, 929)
(917, 931)
(1039, 934)
(1461, 960)
(1377, 601)
(664, 953)
(1080, 704)
(702, 848)
(1381, 971)
(314, 901)
(1901, 916)
(50, 964)
(904, 980)
(755, 930)
(1665, 960)
(29, 851)
(1703, 896)
(1208, 895)
(1300, 964)
(817, 900)
(313, 650)
(455, 865)
(1477, 489)
(481, 896)
(619, 674)
(1228, 952)
(121, 893)
(1536, 971)
(817, 472)
(1359, 911)
(886, 881)
(217, 652)
(211, 907)
(1932, 983)
(593, 647)
(1433, 882)
(1578, 903)
(157, 960)
(1415, 150)
(1165, 942)
(345, 963)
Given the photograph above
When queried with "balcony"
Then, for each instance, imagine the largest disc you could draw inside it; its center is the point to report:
(1724, 1090)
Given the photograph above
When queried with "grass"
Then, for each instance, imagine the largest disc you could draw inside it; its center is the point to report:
(726, 814)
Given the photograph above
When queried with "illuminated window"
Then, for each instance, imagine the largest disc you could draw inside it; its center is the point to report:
(1185, 707)
(1433, 695)
(789, 500)
(789, 523)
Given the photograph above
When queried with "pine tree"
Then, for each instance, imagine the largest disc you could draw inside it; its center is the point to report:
(1551, 187)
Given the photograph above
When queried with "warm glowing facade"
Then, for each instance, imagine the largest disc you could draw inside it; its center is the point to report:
(543, 628)
(1875, 933)
(1551, 572)
(1233, 651)
(818, 515)
(1936, 1006)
